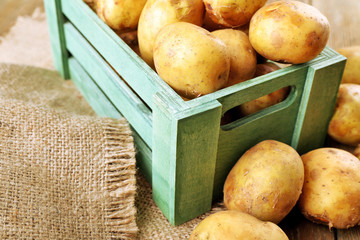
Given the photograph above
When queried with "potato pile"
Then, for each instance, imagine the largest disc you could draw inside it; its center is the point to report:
(344, 125)
(201, 46)
(271, 178)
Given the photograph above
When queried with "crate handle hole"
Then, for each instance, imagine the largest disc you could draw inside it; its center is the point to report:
(258, 106)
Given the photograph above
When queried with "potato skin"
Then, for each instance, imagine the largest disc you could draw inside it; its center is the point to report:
(344, 125)
(157, 14)
(242, 55)
(266, 181)
(331, 189)
(357, 151)
(191, 60)
(232, 13)
(233, 225)
(352, 67)
(289, 32)
(120, 14)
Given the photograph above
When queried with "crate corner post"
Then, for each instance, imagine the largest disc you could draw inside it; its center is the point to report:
(322, 83)
(184, 158)
(55, 20)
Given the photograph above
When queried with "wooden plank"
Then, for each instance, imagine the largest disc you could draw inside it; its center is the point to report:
(55, 20)
(297, 227)
(122, 58)
(316, 109)
(349, 234)
(129, 104)
(184, 155)
(103, 107)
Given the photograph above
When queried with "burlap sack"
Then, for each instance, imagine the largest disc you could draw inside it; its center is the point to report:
(63, 175)
(46, 89)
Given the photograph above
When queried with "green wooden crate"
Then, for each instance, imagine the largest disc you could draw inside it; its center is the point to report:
(181, 147)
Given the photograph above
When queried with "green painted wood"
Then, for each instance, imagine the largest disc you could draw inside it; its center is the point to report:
(103, 107)
(184, 155)
(120, 56)
(116, 89)
(322, 84)
(90, 91)
(276, 122)
(55, 21)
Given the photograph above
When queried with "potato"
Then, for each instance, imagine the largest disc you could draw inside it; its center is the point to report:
(331, 192)
(265, 68)
(268, 100)
(191, 60)
(352, 67)
(209, 24)
(266, 181)
(289, 32)
(157, 14)
(130, 38)
(242, 55)
(91, 4)
(232, 13)
(120, 14)
(357, 151)
(344, 125)
(230, 224)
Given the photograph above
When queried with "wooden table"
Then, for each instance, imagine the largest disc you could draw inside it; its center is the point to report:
(344, 20)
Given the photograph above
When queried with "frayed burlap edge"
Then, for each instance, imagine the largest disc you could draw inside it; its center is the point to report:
(120, 212)
(117, 169)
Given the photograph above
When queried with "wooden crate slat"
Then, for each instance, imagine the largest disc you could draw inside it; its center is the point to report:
(121, 57)
(184, 156)
(55, 21)
(116, 89)
(90, 91)
(103, 107)
(316, 110)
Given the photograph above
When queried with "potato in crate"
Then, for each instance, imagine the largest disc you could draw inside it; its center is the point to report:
(185, 148)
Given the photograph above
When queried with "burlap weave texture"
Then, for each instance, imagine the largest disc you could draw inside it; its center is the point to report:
(62, 175)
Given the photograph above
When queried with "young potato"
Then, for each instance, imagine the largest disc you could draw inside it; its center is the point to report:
(331, 192)
(120, 14)
(234, 225)
(191, 60)
(268, 100)
(344, 125)
(242, 55)
(130, 38)
(352, 67)
(157, 14)
(265, 182)
(289, 32)
(357, 151)
(232, 13)
(91, 3)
